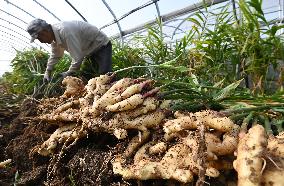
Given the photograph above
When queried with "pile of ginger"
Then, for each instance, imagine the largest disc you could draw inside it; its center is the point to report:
(182, 146)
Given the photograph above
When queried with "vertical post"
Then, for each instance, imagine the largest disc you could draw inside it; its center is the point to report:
(76, 10)
(115, 19)
(235, 11)
(281, 12)
(159, 17)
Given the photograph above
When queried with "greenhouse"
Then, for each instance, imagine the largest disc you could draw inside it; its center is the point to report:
(142, 93)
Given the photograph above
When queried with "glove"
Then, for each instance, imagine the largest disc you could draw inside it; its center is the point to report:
(65, 74)
(46, 77)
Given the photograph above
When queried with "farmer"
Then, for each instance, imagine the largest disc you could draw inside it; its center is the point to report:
(80, 39)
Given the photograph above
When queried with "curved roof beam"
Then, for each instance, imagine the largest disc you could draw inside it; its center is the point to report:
(179, 25)
(47, 10)
(16, 33)
(157, 8)
(8, 51)
(12, 24)
(130, 12)
(8, 2)
(18, 44)
(15, 37)
(13, 16)
(171, 15)
(76, 10)
(117, 22)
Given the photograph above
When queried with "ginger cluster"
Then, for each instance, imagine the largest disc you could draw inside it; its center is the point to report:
(178, 146)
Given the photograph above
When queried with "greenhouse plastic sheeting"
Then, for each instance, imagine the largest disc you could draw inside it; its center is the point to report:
(16, 14)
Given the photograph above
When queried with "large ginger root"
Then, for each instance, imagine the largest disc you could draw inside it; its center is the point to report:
(144, 168)
(111, 96)
(149, 104)
(66, 116)
(249, 162)
(127, 104)
(212, 120)
(95, 88)
(188, 121)
(99, 85)
(136, 88)
(178, 163)
(74, 86)
(260, 158)
(122, 97)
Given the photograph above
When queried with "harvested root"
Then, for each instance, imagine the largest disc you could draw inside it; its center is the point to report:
(149, 104)
(58, 137)
(3, 164)
(121, 84)
(249, 162)
(66, 106)
(191, 145)
(99, 85)
(178, 163)
(74, 86)
(135, 89)
(120, 133)
(225, 147)
(110, 97)
(188, 121)
(158, 148)
(67, 116)
(127, 104)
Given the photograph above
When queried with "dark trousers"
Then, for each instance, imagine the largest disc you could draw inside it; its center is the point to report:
(102, 58)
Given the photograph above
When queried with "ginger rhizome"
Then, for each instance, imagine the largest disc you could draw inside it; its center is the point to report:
(161, 145)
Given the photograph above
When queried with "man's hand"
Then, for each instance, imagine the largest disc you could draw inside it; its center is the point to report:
(46, 77)
(65, 74)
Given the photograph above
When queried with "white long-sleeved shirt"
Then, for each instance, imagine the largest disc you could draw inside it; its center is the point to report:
(78, 38)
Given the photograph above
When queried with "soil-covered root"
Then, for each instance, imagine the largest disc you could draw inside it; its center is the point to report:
(3, 164)
(250, 162)
(213, 122)
(273, 173)
(222, 147)
(275, 145)
(61, 135)
(189, 121)
(74, 86)
(178, 162)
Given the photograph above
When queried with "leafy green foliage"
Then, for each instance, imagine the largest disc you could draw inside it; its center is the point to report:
(233, 50)
(27, 69)
(221, 65)
(27, 75)
(126, 56)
